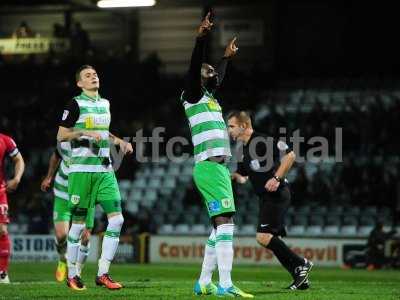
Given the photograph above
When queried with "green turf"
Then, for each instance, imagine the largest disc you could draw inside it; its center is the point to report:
(35, 281)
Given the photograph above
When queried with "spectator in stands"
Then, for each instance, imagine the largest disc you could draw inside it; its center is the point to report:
(192, 196)
(59, 31)
(80, 41)
(300, 187)
(376, 247)
(23, 31)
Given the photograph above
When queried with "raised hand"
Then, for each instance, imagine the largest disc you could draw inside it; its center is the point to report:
(205, 25)
(231, 48)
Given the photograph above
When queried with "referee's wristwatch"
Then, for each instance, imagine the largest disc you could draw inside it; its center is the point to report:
(277, 178)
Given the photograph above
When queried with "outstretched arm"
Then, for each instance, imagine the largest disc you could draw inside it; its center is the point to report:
(193, 91)
(230, 51)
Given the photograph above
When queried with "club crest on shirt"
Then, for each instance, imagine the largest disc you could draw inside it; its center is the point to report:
(282, 146)
(75, 199)
(226, 203)
(255, 165)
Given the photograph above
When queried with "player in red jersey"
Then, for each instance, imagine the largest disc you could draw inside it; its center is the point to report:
(7, 148)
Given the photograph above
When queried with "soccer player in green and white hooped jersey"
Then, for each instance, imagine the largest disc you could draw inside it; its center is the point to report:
(85, 123)
(211, 176)
(58, 170)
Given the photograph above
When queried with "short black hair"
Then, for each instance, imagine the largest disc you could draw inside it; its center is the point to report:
(81, 68)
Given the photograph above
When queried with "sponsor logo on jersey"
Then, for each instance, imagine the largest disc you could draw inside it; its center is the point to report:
(214, 206)
(282, 146)
(213, 104)
(65, 115)
(255, 164)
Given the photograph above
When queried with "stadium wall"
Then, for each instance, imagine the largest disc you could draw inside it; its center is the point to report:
(323, 252)
(41, 248)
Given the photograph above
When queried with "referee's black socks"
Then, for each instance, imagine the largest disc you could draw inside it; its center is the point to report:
(286, 257)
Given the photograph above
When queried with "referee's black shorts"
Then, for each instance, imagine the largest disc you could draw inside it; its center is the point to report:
(273, 208)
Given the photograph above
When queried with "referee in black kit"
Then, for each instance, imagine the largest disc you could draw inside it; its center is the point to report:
(262, 165)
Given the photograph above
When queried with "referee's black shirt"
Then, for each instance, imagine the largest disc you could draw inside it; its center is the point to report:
(261, 159)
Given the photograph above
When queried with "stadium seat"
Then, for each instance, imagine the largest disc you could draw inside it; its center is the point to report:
(136, 196)
(319, 210)
(158, 218)
(169, 183)
(300, 220)
(351, 210)
(204, 219)
(296, 230)
(316, 220)
(247, 230)
(370, 210)
(349, 220)
(161, 206)
(314, 230)
(305, 209)
(124, 194)
(124, 184)
(332, 220)
(189, 219)
(364, 231)
(187, 170)
(172, 218)
(348, 230)
(182, 229)
(199, 229)
(367, 220)
(154, 183)
(13, 228)
(149, 198)
(23, 228)
(173, 170)
(335, 210)
(132, 207)
(158, 172)
(140, 183)
(331, 230)
(166, 229)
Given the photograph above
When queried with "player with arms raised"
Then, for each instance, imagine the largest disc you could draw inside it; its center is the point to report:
(211, 151)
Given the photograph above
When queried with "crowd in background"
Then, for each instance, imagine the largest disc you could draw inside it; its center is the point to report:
(142, 97)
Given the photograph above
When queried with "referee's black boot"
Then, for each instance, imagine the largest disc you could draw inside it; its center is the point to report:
(301, 275)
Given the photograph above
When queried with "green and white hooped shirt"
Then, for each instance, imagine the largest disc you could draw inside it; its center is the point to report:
(61, 180)
(87, 155)
(208, 128)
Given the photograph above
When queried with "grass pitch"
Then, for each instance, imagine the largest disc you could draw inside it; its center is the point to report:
(36, 281)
